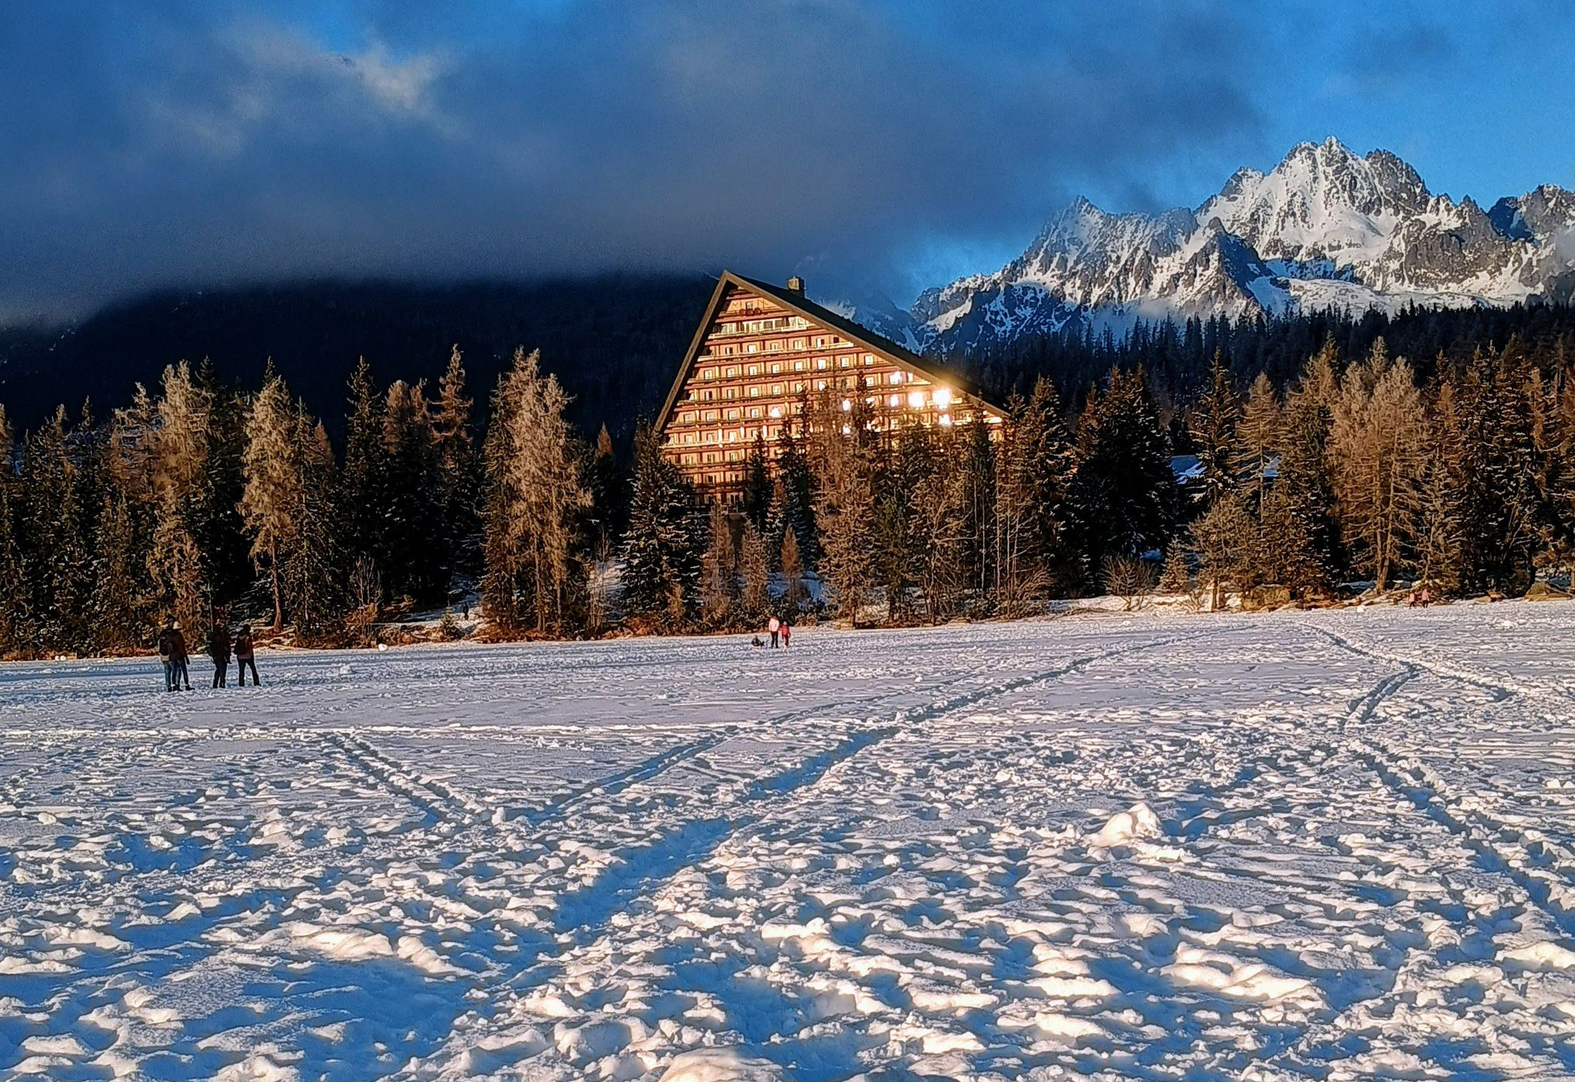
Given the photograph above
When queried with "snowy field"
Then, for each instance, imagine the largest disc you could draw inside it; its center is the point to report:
(1334, 845)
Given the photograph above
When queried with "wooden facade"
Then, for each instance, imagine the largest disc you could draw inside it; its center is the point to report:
(761, 350)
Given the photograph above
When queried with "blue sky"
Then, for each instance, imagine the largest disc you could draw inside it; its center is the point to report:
(872, 146)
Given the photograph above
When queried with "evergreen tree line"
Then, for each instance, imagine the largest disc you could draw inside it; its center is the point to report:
(199, 498)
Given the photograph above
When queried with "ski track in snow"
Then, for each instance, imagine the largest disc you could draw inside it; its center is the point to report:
(1333, 846)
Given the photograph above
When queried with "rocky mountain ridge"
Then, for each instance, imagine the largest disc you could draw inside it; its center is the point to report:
(1325, 228)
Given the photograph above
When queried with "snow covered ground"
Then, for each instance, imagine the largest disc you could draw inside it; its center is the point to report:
(1333, 845)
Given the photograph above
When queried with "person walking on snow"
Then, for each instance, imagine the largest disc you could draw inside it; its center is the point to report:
(774, 626)
(166, 645)
(178, 673)
(787, 633)
(219, 651)
(245, 654)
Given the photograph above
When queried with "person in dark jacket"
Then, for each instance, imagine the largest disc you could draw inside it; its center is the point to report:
(219, 651)
(178, 673)
(245, 655)
(166, 643)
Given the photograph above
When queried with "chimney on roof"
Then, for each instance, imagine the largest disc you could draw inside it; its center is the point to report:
(796, 285)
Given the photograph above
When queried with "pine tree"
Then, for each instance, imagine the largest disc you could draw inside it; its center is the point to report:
(172, 435)
(842, 457)
(753, 573)
(1175, 576)
(55, 549)
(1256, 435)
(609, 499)
(214, 512)
(1441, 547)
(121, 613)
(361, 485)
(459, 472)
(534, 497)
(16, 599)
(1303, 483)
(757, 483)
(792, 564)
(1499, 470)
(1224, 536)
(1212, 425)
(1125, 488)
(1377, 441)
(414, 563)
(798, 490)
(315, 570)
(271, 502)
(719, 593)
(1048, 474)
(662, 546)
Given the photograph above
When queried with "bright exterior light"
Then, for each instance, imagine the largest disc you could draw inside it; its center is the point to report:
(946, 420)
(943, 397)
(916, 399)
(846, 405)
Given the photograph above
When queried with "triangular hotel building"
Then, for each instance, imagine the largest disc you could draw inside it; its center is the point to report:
(760, 349)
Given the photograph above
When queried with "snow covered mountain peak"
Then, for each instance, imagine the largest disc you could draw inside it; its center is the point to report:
(1323, 201)
(1324, 228)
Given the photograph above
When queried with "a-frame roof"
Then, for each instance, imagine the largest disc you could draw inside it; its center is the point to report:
(797, 303)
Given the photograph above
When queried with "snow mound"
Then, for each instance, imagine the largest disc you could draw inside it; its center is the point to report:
(721, 1065)
(1138, 821)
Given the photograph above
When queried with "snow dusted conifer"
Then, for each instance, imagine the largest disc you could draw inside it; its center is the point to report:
(535, 495)
(1049, 471)
(665, 536)
(1212, 425)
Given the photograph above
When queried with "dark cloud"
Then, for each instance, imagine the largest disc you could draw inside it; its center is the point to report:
(204, 143)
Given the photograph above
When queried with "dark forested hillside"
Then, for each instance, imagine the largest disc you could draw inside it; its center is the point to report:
(1176, 358)
(613, 341)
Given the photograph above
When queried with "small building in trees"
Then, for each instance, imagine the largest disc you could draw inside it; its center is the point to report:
(762, 352)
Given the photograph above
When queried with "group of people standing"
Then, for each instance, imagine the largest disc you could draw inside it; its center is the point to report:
(172, 652)
(780, 631)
